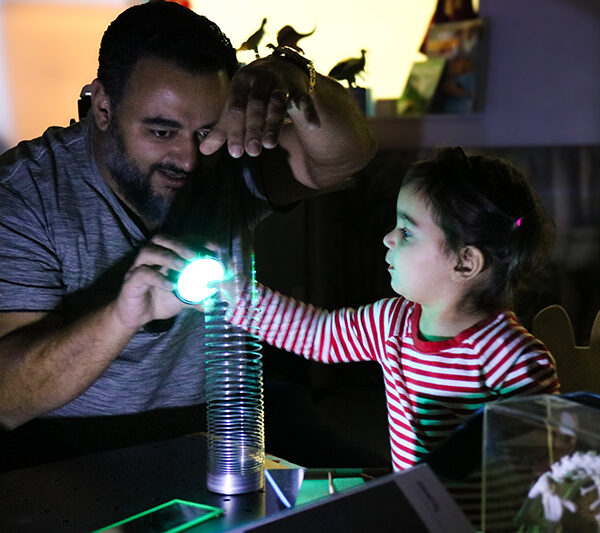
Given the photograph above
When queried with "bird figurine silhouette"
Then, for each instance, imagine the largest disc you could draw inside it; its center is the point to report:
(251, 43)
(288, 36)
(349, 68)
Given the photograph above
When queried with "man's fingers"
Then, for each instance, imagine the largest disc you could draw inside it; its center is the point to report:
(216, 138)
(234, 118)
(231, 126)
(252, 119)
(143, 276)
(173, 244)
(164, 253)
(255, 124)
(275, 118)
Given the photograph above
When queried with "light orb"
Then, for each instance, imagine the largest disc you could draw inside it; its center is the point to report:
(192, 283)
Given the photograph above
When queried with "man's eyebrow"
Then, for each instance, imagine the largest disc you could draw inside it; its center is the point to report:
(160, 121)
(169, 123)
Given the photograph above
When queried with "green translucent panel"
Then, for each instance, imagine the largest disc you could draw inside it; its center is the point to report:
(315, 489)
(192, 283)
(170, 517)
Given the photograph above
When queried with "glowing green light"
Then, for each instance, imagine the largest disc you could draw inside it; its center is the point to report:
(192, 283)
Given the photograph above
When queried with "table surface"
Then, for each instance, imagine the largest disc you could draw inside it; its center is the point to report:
(90, 492)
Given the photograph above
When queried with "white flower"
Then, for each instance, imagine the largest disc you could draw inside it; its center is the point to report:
(579, 466)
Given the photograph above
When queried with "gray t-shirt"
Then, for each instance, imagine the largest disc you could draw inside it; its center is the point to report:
(66, 243)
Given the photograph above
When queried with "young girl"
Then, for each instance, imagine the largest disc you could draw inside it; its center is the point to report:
(468, 229)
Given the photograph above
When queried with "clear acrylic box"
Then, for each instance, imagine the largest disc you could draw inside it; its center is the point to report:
(540, 471)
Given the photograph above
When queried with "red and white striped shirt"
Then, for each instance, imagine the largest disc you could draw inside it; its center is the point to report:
(431, 387)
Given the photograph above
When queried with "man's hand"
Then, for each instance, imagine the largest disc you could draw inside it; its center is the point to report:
(147, 293)
(257, 106)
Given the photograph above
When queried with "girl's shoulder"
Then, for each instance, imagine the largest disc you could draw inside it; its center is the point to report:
(397, 305)
(392, 315)
(503, 333)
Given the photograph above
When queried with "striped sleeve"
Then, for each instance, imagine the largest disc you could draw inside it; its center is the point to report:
(341, 336)
(517, 363)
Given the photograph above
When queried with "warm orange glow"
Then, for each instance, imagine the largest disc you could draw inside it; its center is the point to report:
(52, 52)
(52, 47)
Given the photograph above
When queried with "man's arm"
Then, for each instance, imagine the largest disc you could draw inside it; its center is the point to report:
(45, 363)
(324, 135)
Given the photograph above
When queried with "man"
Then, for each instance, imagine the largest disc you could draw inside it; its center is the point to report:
(178, 142)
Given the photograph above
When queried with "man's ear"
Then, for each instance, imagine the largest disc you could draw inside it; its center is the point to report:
(101, 107)
(470, 263)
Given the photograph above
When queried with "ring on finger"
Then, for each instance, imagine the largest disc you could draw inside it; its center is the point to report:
(280, 95)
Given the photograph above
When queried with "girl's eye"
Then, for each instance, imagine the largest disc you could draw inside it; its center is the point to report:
(405, 233)
(202, 134)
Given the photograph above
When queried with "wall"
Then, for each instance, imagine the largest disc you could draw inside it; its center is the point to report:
(543, 82)
(50, 53)
(544, 77)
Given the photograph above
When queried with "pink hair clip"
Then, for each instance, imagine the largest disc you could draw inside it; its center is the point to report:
(519, 221)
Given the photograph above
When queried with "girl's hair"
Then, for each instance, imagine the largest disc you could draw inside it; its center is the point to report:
(488, 203)
(163, 30)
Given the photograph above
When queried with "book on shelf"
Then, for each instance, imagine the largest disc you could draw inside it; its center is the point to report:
(421, 87)
(463, 45)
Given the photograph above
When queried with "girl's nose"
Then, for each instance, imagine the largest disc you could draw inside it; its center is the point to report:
(388, 241)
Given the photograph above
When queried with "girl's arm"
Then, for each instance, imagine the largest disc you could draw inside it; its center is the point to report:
(345, 335)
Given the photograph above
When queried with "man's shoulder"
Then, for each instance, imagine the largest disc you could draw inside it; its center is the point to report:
(57, 148)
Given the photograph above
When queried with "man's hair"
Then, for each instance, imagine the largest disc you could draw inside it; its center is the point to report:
(488, 203)
(163, 30)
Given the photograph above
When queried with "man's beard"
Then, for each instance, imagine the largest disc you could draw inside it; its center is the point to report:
(134, 184)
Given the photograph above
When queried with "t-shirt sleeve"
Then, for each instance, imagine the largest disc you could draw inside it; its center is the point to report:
(522, 365)
(30, 271)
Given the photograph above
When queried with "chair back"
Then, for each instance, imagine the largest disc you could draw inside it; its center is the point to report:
(578, 367)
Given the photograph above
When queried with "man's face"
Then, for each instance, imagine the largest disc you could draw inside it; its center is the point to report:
(151, 145)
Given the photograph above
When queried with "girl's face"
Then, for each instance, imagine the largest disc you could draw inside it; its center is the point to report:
(420, 268)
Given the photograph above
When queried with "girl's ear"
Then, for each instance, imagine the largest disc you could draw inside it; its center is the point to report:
(470, 263)
(101, 108)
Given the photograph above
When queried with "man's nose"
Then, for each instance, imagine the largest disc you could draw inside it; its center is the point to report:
(185, 154)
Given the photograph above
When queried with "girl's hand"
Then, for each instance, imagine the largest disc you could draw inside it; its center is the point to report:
(229, 289)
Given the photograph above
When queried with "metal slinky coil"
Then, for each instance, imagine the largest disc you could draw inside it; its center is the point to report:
(235, 407)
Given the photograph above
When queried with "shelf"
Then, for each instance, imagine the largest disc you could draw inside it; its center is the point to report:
(542, 87)
(428, 131)
(489, 129)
